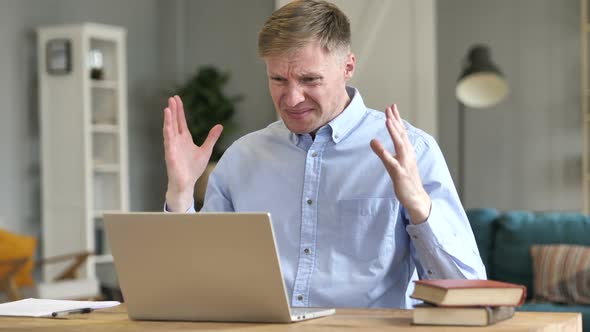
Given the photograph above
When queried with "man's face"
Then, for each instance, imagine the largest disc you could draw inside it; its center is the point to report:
(308, 87)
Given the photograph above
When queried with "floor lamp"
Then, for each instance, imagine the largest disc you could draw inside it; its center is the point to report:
(480, 85)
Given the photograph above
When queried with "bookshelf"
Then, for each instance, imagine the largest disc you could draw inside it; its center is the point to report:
(84, 151)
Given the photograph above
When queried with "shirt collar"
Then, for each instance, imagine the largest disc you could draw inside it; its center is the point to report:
(341, 126)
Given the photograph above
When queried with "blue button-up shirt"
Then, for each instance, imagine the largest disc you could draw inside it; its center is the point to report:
(343, 238)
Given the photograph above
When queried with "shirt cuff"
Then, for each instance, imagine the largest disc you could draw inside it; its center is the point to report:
(191, 209)
(442, 255)
(434, 264)
(422, 234)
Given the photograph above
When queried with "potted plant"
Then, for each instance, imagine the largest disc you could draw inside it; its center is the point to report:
(206, 104)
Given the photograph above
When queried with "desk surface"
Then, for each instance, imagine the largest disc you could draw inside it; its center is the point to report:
(375, 320)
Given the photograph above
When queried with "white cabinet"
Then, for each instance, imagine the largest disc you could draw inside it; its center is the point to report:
(83, 124)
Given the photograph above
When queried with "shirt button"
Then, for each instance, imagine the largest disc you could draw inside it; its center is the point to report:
(309, 202)
(314, 154)
(300, 297)
(415, 236)
(306, 251)
(336, 136)
(430, 272)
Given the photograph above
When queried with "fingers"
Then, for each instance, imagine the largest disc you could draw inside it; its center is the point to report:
(212, 138)
(178, 119)
(388, 160)
(181, 118)
(173, 109)
(395, 137)
(392, 114)
(397, 132)
(396, 114)
(399, 124)
(393, 128)
(168, 131)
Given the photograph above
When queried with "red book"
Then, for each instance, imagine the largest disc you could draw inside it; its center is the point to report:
(466, 292)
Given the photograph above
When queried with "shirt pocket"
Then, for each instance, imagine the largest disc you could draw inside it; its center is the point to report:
(366, 226)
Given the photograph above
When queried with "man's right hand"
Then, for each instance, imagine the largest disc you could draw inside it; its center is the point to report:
(185, 161)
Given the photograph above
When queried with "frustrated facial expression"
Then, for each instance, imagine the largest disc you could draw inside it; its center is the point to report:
(308, 86)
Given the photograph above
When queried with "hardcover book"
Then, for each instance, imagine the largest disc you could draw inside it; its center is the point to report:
(466, 316)
(465, 292)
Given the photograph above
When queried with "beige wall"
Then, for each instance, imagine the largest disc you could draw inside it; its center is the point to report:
(394, 42)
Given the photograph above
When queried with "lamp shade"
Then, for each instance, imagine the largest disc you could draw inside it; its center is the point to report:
(481, 84)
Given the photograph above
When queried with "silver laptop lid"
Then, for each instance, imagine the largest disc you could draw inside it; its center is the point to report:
(205, 266)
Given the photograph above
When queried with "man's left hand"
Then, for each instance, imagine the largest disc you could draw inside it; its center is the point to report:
(403, 168)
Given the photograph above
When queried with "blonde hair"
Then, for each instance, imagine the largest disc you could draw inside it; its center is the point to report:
(300, 22)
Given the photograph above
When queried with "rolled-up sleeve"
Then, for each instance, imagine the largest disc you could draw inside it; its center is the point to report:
(444, 246)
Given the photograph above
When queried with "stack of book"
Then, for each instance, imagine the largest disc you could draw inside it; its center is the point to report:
(465, 302)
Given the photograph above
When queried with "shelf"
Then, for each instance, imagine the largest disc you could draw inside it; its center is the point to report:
(103, 84)
(84, 140)
(104, 106)
(102, 259)
(106, 168)
(105, 128)
(105, 57)
(105, 147)
(106, 190)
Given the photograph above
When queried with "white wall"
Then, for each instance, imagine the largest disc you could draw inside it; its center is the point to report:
(524, 153)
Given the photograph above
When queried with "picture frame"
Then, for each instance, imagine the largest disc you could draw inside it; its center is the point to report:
(58, 56)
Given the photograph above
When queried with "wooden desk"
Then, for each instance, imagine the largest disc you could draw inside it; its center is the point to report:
(116, 320)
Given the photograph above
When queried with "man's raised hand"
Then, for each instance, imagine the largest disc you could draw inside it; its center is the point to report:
(403, 168)
(185, 161)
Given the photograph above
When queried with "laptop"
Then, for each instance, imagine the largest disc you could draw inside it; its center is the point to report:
(201, 267)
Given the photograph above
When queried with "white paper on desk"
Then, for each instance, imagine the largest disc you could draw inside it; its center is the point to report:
(44, 308)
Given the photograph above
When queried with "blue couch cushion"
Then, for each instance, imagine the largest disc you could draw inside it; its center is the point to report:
(483, 226)
(518, 230)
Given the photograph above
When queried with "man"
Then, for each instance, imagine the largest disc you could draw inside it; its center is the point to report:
(350, 232)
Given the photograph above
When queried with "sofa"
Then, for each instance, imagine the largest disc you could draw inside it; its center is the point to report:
(504, 240)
